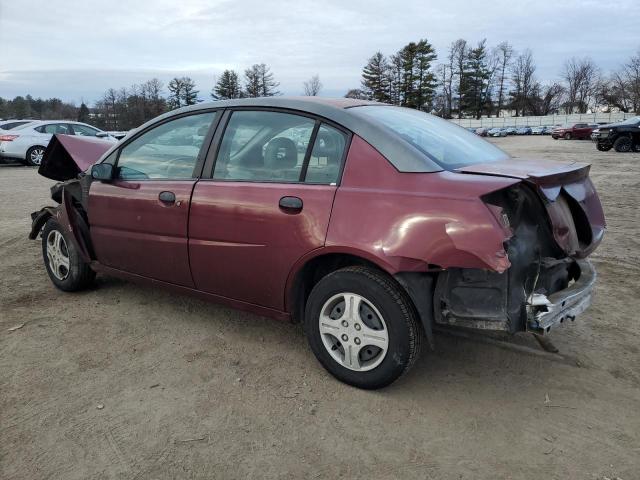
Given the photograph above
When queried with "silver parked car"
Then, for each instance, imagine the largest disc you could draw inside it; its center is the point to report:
(28, 142)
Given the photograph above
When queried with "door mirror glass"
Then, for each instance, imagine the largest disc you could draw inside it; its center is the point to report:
(102, 172)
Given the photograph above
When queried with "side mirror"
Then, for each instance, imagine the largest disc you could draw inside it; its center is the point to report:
(102, 172)
(102, 134)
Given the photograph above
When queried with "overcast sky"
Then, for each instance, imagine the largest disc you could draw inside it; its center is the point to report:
(77, 49)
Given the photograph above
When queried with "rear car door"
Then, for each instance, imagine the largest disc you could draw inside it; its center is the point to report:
(138, 221)
(267, 203)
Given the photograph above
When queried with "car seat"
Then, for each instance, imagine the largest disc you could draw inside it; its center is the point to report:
(281, 159)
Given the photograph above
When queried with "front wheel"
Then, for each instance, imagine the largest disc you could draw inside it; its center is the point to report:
(567, 136)
(62, 260)
(34, 156)
(362, 327)
(603, 147)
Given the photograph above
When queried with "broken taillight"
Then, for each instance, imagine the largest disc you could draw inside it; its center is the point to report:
(8, 138)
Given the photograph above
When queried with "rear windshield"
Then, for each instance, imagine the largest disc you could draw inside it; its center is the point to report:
(443, 142)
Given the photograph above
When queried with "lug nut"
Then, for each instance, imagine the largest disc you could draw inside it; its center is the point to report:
(357, 341)
(357, 326)
(345, 324)
(344, 338)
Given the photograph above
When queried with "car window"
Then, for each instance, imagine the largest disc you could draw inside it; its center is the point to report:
(441, 141)
(84, 130)
(168, 151)
(263, 146)
(52, 128)
(10, 125)
(326, 156)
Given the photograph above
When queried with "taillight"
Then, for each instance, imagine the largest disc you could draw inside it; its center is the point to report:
(8, 138)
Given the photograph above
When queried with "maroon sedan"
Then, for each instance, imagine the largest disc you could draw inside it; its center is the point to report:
(370, 223)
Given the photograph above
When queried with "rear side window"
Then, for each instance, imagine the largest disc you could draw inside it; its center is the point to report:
(326, 156)
(263, 146)
(84, 131)
(168, 151)
(52, 128)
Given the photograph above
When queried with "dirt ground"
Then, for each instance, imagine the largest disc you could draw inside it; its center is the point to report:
(130, 382)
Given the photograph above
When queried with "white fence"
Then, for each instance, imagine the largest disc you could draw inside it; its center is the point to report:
(546, 120)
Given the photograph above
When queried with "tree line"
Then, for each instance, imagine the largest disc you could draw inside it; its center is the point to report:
(472, 80)
(476, 80)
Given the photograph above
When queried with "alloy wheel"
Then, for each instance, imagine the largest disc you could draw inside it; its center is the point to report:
(353, 332)
(58, 255)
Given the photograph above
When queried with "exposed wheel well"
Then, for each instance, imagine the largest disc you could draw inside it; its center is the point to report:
(312, 272)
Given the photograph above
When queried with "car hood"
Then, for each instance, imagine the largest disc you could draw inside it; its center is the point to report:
(67, 156)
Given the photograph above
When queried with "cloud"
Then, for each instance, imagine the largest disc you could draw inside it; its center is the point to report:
(81, 51)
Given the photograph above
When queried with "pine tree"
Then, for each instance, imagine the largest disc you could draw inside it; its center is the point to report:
(175, 88)
(83, 113)
(190, 94)
(259, 82)
(375, 78)
(227, 87)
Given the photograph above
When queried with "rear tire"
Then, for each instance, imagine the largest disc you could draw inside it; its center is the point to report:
(567, 136)
(366, 313)
(62, 260)
(623, 145)
(34, 156)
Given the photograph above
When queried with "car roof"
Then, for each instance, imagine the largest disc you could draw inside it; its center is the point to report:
(404, 156)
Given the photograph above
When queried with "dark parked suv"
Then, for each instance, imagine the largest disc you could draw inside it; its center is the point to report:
(623, 136)
(369, 223)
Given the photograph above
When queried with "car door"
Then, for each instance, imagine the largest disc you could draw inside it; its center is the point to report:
(267, 203)
(138, 220)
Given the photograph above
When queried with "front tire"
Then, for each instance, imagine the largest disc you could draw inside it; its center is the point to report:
(602, 147)
(623, 145)
(62, 260)
(362, 327)
(567, 136)
(34, 156)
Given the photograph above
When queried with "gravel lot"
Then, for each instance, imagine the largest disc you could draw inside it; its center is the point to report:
(128, 382)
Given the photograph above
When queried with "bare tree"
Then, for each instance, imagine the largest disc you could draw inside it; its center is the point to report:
(632, 78)
(502, 54)
(522, 75)
(457, 58)
(581, 76)
(313, 86)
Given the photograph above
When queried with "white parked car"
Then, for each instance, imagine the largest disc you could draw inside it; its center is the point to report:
(27, 143)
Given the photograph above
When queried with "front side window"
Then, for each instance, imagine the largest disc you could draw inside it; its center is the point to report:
(263, 146)
(443, 142)
(168, 151)
(84, 130)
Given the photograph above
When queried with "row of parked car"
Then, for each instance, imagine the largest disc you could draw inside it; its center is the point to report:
(26, 140)
(504, 131)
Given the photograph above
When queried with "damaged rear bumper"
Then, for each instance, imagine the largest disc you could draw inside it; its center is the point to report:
(546, 312)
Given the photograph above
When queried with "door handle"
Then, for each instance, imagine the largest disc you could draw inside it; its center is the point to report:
(290, 204)
(167, 197)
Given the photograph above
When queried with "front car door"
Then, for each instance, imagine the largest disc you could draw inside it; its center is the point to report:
(267, 204)
(138, 221)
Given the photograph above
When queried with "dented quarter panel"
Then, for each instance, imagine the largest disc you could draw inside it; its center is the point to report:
(420, 219)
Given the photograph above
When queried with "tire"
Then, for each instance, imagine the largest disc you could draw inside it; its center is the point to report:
(567, 136)
(623, 144)
(386, 317)
(58, 250)
(602, 147)
(34, 156)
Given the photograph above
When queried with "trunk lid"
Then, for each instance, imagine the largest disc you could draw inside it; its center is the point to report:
(67, 156)
(571, 201)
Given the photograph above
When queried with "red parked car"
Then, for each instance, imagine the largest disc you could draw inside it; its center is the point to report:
(369, 223)
(577, 131)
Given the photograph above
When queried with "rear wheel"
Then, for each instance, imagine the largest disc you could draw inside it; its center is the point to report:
(34, 156)
(63, 262)
(603, 147)
(362, 327)
(567, 136)
(623, 144)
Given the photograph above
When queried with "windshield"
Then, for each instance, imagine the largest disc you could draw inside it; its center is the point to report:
(631, 121)
(444, 142)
